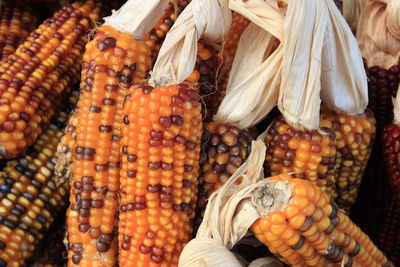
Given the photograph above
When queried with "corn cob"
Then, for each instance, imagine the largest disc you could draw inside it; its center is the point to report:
(28, 76)
(30, 198)
(51, 251)
(303, 228)
(391, 150)
(354, 142)
(16, 23)
(157, 206)
(367, 211)
(112, 62)
(309, 155)
(389, 237)
(224, 149)
(382, 86)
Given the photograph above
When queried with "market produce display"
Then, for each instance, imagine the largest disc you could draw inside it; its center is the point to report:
(199, 133)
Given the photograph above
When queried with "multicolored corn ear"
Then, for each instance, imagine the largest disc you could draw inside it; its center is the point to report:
(16, 23)
(224, 149)
(112, 62)
(309, 155)
(160, 144)
(391, 152)
(36, 75)
(30, 199)
(307, 229)
(389, 236)
(355, 137)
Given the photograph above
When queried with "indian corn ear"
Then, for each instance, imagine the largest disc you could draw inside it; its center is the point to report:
(16, 23)
(389, 235)
(112, 62)
(391, 151)
(161, 135)
(30, 78)
(354, 142)
(30, 197)
(308, 155)
(382, 86)
(309, 230)
(224, 149)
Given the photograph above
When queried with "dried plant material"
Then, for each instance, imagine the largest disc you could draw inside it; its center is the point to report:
(319, 52)
(255, 75)
(266, 262)
(396, 108)
(378, 33)
(304, 31)
(136, 18)
(209, 19)
(227, 219)
(352, 10)
(343, 77)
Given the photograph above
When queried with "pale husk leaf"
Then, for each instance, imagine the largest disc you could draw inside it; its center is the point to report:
(304, 31)
(379, 40)
(344, 81)
(253, 85)
(266, 262)
(137, 18)
(209, 19)
(396, 108)
(228, 216)
(352, 10)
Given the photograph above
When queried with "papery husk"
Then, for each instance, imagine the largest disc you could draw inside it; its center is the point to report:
(266, 262)
(304, 31)
(209, 19)
(343, 77)
(229, 214)
(351, 10)
(322, 61)
(378, 33)
(136, 17)
(253, 85)
(396, 108)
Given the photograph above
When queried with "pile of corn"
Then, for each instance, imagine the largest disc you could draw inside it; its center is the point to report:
(120, 172)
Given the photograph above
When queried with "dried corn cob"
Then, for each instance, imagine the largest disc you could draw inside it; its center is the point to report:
(224, 149)
(51, 251)
(112, 62)
(303, 228)
(382, 86)
(159, 173)
(389, 237)
(309, 155)
(28, 76)
(30, 198)
(391, 150)
(16, 23)
(354, 142)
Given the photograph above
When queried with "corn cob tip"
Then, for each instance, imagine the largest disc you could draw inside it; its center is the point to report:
(272, 197)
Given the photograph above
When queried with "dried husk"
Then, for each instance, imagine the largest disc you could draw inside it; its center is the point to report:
(343, 77)
(321, 59)
(352, 10)
(230, 212)
(253, 85)
(137, 18)
(396, 108)
(209, 19)
(378, 33)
